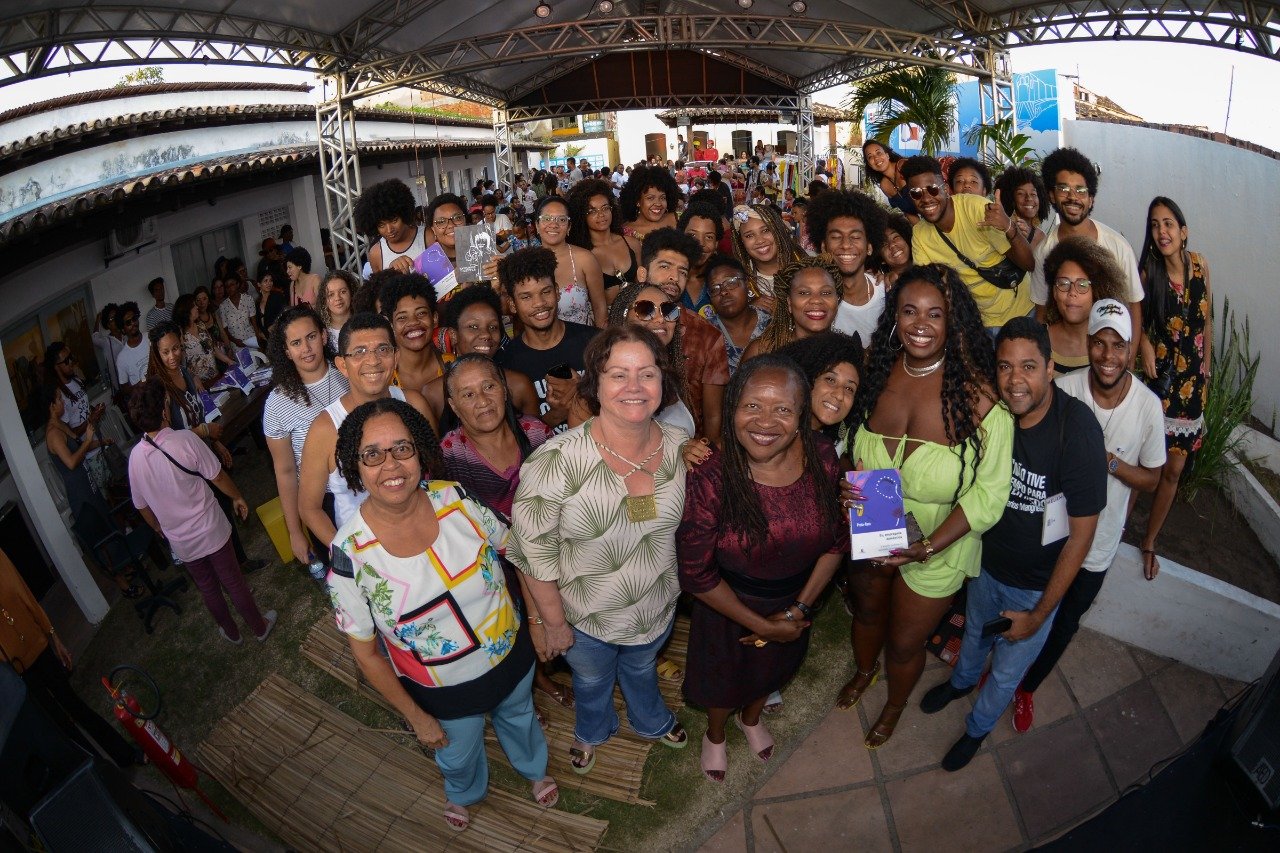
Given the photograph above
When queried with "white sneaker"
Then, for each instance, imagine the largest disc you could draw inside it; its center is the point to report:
(237, 641)
(270, 616)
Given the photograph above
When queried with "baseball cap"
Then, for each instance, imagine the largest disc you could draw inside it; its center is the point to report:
(1111, 314)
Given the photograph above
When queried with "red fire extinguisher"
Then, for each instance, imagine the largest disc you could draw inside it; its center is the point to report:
(160, 750)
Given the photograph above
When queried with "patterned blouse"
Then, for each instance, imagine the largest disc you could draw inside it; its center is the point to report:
(617, 577)
(197, 352)
(446, 615)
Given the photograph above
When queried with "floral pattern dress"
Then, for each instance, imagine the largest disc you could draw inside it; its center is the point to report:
(1182, 340)
(197, 352)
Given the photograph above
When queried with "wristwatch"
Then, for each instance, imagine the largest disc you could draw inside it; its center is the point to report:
(1113, 463)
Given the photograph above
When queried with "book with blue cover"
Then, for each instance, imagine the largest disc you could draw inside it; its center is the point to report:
(878, 522)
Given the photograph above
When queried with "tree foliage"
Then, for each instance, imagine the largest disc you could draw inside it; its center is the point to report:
(923, 95)
(143, 76)
(1001, 146)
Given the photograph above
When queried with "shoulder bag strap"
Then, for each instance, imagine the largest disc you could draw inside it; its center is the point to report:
(149, 440)
(961, 255)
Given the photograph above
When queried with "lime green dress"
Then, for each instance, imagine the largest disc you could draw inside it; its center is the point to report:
(929, 476)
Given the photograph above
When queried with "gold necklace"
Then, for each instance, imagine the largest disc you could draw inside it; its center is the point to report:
(639, 507)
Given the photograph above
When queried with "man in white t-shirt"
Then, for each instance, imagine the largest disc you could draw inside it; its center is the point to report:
(131, 363)
(1071, 180)
(1132, 422)
(619, 179)
(849, 226)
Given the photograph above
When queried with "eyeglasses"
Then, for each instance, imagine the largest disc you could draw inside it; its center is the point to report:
(558, 220)
(726, 285)
(647, 309)
(1064, 285)
(456, 219)
(70, 357)
(917, 193)
(361, 353)
(596, 211)
(372, 457)
(1078, 192)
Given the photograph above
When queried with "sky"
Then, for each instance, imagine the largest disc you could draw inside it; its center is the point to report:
(1166, 83)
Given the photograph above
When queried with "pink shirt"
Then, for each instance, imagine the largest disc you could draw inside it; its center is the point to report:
(185, 507)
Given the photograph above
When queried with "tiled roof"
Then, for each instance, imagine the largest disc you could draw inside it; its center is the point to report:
(115, 94)
(66, 209)
(1188, 130)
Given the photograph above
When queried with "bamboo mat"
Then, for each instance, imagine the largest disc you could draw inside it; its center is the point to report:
(619, 769)
(324, 782)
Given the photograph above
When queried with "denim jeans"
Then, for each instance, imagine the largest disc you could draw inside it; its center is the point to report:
(1009, 660)
(596, 666)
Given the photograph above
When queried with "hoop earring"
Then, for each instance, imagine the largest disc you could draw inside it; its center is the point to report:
(893, 337)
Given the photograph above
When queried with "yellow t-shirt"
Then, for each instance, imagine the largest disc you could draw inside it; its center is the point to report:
(980, 244)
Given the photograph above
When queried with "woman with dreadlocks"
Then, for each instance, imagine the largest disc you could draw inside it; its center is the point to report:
(762, 242)
(647, 306)
(929, 409)
(808, 294)
(760, 538)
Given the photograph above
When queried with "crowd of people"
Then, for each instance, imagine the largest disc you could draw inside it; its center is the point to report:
(649, 405)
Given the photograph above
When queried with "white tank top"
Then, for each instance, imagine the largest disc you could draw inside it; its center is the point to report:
(417, 247)
(345, 501)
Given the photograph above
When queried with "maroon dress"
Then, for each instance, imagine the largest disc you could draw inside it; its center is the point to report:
(722, 672)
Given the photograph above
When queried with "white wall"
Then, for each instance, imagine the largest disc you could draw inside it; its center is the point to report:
(633, 125)
(1228, 195)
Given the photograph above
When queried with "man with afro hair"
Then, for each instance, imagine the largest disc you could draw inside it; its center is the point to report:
(385, 211)
(849, 226)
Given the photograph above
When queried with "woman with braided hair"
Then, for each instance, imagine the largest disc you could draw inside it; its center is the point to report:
(808, 294)
(762, 242)
(646, 305)
(929, 409)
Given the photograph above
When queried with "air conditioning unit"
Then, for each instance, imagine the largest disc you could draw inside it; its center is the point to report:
(130, 235)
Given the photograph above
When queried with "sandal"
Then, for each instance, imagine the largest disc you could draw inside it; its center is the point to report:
(562, 696)
(758, 738)
(773, 704)
(542, 721)
(851, 693)
(582, 757)
(456, 817)
(1150, 565)
(548, 795)
(715, 759)
(884, 726)
(677, 738)
(669, 671)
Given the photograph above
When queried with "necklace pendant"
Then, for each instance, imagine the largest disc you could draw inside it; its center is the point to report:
(642, 508)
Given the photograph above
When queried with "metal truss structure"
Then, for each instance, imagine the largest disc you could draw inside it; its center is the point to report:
(996, 98)
(340, 171)
(804, 140)
(503, 154)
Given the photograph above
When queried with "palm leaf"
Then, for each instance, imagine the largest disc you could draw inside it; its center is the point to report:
(920, 95)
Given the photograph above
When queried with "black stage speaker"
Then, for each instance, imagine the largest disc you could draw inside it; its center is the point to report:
(35, 756)
(1254, 743)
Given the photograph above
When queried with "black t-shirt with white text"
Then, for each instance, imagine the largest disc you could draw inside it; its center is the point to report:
(1063, 453)
(534, 363)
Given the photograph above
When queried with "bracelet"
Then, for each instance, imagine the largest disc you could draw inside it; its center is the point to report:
(787, 613)
(928, 549)
(805, 610)
(536, 620)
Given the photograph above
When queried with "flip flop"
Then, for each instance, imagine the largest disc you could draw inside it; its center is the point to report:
(669, 671)
(549, 795)
(456, 817)
(562, 696)
(581, 752)
(677, 738)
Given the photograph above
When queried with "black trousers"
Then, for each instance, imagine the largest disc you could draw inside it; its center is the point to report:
(1077, 601)
(50, 686)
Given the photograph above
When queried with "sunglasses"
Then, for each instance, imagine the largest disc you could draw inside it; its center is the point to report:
(917, 193)
(647, 309)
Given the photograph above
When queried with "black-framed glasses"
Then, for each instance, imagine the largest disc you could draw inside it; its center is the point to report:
(1064, 285)
(361, 353)
(726, 285)
(456, 219)
(1078, 192)
(647, 309)
(372, 457)
(917, 193)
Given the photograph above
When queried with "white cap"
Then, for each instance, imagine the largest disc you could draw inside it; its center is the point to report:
(1111, 314)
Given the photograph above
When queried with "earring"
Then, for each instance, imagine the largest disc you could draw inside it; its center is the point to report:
(893, 338)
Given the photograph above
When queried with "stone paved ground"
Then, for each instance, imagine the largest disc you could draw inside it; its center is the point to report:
(1108, 714)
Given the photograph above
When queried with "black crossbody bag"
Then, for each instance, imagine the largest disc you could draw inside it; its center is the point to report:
(1005, 275)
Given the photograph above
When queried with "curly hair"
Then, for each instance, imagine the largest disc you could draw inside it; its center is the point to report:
(440, 201)
(643, 178)
(404, 286)
(741, 507)
(350, 279)
(781, 329)
(822, 352)
(704, 210)
(835, 204)
(284, 373)
(897, 222)
(463, 299)
(147, 404)
(347, 450)
(618, 311)
(1069, 160)
(920, 164)
(1106, 277)
(969, 372)
(984, 174)
(872, 175)
(368, 296)
(1013, 178)
(193, 409)
(300, 258)
(579, 200)
(788, 251)
(511, 418)
(386, 200)
(534, 262)
(601, 347)
(669, 239)
(717, 261)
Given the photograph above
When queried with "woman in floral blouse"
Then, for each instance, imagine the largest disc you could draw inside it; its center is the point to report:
(418, 565)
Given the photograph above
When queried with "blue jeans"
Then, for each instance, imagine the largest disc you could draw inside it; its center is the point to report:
(1009, 661)
(463, 762)
(596, 666)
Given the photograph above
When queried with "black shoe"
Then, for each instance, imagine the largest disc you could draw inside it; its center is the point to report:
(941, 696)
(251, 566)
(962, 752)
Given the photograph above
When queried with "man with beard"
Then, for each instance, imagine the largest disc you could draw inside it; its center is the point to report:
(964, 232)
(1033, 553)
(705, 224)
(849, 226)
(1072, 183)
(1133, 435)
(549, 350)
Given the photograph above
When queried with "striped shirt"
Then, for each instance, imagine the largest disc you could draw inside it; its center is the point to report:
(284, 416)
